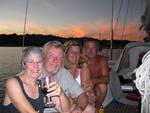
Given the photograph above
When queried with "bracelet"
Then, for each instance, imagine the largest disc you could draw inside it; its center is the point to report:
(79, 108)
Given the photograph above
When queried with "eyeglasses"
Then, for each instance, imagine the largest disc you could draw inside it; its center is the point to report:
(33, 62)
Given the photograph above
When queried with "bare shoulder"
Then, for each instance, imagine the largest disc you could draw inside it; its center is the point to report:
(11, 82)
(12, 89)
(85, 65)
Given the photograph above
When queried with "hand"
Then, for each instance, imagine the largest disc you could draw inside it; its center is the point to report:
(88, 85)
(91, 84)
(54, 89)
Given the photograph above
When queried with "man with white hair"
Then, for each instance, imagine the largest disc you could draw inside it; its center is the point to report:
(53, 62)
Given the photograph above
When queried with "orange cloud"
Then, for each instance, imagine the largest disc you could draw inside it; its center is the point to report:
(65, 32)
(79, 31)
(72, 31)
(131, 32)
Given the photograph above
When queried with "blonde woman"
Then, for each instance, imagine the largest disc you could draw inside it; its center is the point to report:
(77, 65)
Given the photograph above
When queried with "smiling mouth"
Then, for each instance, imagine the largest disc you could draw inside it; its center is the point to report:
(54, 65)
(37, 71)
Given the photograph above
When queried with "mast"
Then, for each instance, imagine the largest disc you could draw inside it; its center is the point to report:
(112, 34)
(25, 21)
(24, 28)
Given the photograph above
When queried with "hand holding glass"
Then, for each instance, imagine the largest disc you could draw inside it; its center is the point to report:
(45, 86)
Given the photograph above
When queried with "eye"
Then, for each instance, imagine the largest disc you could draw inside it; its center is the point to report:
(30, 62)
(34, 62)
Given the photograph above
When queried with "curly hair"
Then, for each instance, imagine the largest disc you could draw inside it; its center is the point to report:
(82, 58)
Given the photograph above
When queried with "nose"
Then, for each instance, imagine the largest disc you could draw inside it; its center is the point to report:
(36, 64)
(55, 59)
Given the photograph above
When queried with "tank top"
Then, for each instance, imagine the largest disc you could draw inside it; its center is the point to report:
(38, 104)
(78, 78)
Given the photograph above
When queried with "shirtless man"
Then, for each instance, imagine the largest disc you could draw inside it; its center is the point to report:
(99, 71)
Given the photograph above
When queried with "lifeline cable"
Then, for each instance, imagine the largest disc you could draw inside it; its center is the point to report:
(142, 82)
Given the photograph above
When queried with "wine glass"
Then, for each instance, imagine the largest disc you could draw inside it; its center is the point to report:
(44, 87)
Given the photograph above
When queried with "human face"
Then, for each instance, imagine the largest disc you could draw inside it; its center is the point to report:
(33, 65)
(53, 59)
(73, 54)
(90, 49)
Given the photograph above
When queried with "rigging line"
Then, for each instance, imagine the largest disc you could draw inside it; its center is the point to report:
(25, 21)
(131, 18)
(142, 31)
(24, 30)
(125, 19)
(141, 6)
(112, 34)
(118, 17)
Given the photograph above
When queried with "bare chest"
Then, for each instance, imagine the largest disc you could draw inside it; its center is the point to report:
(95, 69)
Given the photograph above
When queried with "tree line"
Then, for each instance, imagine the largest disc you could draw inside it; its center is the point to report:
(14, 40)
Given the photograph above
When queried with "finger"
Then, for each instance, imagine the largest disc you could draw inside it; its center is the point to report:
(54, 91)
(52, 85)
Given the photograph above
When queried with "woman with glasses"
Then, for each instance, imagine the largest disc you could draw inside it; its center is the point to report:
(22, 92)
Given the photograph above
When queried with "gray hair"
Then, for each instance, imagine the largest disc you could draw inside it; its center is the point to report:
(54, 43)
(31, 49)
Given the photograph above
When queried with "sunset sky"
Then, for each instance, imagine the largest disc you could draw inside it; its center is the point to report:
(73, 18)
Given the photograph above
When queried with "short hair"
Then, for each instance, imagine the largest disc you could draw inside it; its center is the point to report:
(31, 49)
(54, 43)
(92, 40)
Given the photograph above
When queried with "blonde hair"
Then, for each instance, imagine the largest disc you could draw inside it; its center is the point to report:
(66, 47)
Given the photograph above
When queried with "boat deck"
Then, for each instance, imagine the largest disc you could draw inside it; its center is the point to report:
(121, 108)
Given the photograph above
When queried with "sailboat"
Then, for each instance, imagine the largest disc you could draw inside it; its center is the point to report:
(116, 70)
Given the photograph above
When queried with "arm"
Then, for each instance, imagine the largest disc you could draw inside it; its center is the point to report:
(58, 96)
(86, 81)
(104, 78)
(82, 101)
(74, 89)
(15, 95)
(65, 103)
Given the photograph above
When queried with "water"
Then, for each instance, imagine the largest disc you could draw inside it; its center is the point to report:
(10, 58)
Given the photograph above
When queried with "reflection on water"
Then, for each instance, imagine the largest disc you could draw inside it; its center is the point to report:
(10, 58)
